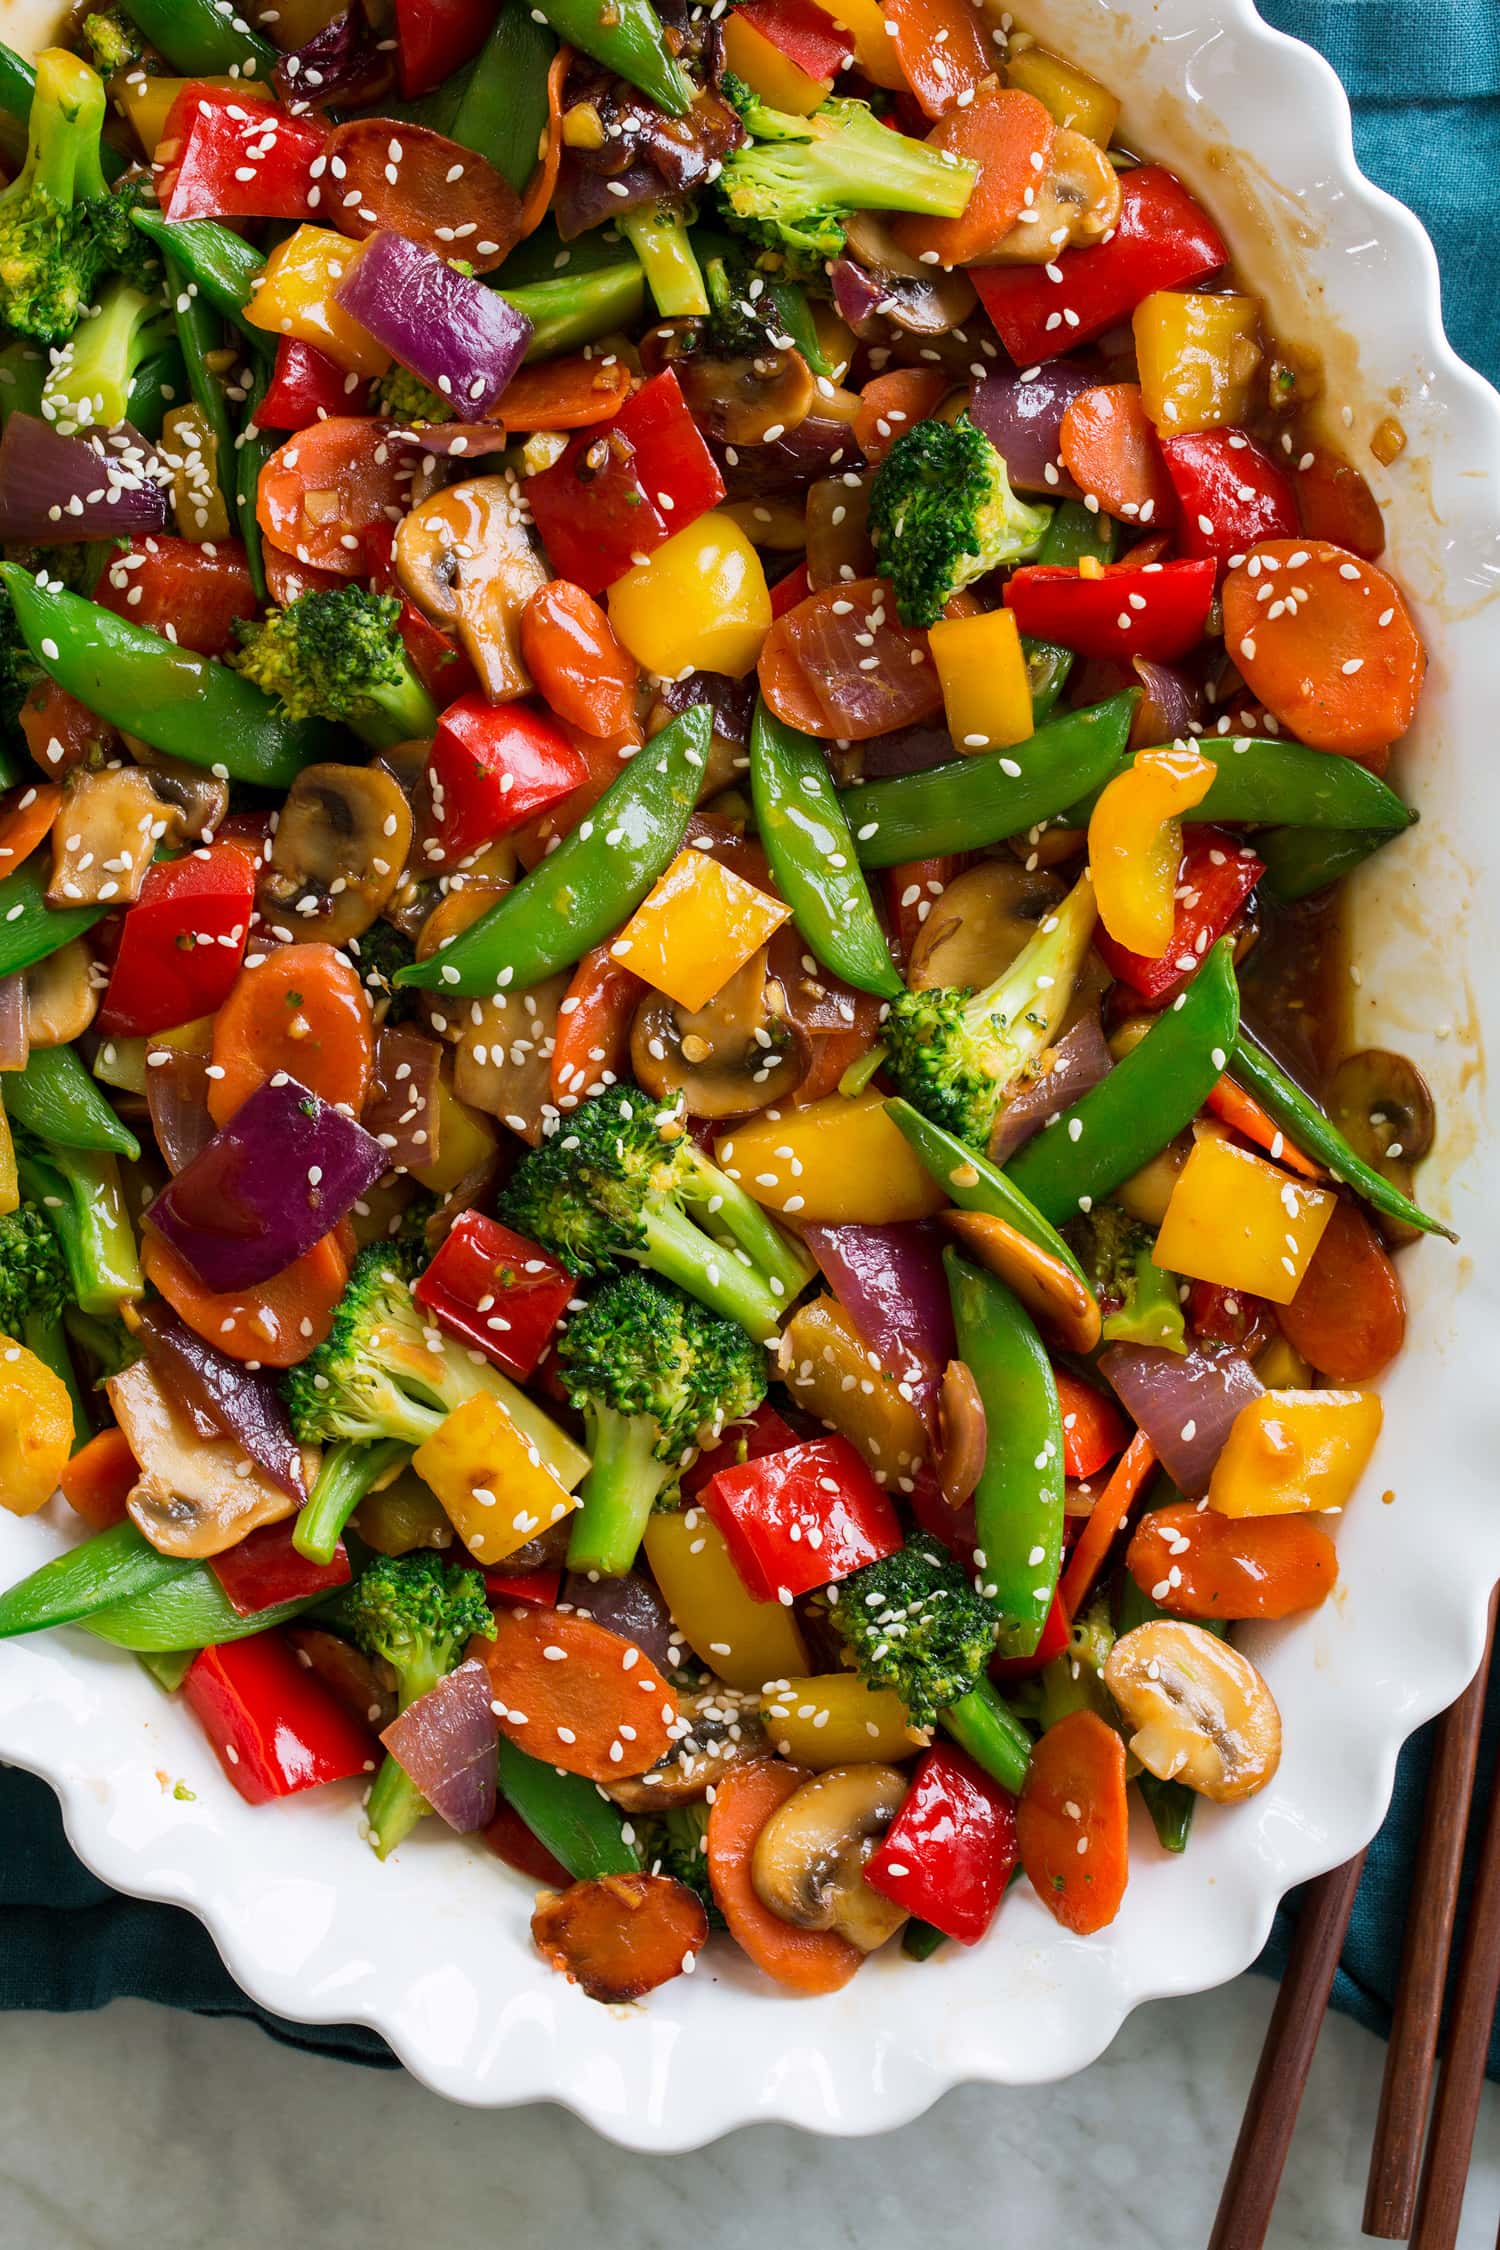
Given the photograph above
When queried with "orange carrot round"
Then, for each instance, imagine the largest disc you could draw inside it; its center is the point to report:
(280, 1322)
(599, 1708)
(1109, 448)
(890, 405)
(1072, 1823)
(302, 1010)
(808, 1961)
(593, 1026)
(565, 394)
(620, 1936)
(1198, 1564)
(1003, 131)
(1327, 642)
(100, 1478)
(1348, 1317)
(941, 47)
(26, 817)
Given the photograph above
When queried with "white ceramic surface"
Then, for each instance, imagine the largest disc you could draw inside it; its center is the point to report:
(433, 1949)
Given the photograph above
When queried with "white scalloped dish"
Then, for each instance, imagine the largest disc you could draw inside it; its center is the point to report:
(433, 1950)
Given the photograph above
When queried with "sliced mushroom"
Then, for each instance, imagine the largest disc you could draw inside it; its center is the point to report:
(725, 1728)
(107, 827)
(980, 923)
(1383, 1105)
(937, 303)
(465, 559)
(963, 1434)
(502, 1061)
(809, 1859)
(1202, 1713)
(199, 796)
(737, 1054)
(746, 401)
(340, 845)
(832, 1372)
(1049, 1290)
(1077, 201)
(195, 1495)
(61, 998)
(401, 1516)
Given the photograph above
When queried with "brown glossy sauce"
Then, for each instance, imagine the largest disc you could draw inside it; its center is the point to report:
(1294, 986)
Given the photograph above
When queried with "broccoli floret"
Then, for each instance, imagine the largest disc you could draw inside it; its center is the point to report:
(620, 1179)
(338, 655)
(90, 379)
(403, 397)
(34, 1292)
(942, 513)
(752, 314)
(113, 42)
(1137, 1297)
(953, 1052)
(1074, 1681)
(60, 226)
(795, 185)
(378, 953)
(417, 1614)
(654, 1376)
(78, 1192)
(675, 1843)
(914, 1624)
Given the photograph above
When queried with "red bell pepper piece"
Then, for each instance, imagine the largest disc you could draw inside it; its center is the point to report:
(440, 664)
(794, 585)
(492, 768)
(1163, 239)
(1217, 1315)
(805, 34)
(949, 1853)
(765, 1432)
(593, 1027)
(910, 889)
(434, 37)
(1053, 1641)
(1157, 612)
(1094, 1429)
(306, 386)
(224, 154)
(265, 1568)
(509, 1838)
(495, 1291)
(197, 589)
(622, 490)
(1231, 493)
(801, 1518)
(275, 1727)
(540, 1587)
(181, 943)
(1217, 875)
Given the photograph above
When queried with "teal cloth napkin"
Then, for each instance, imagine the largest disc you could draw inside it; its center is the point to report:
(1424, 80)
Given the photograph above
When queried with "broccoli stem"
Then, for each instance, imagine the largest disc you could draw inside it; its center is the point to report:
(402, 713)
(730, 1215)
(67, 118)
(682, 1253)
(1032, 997)
(658, 234)
(90, 382)
(572, 310)
(348, 1472)
(982, 1723)
(79, 1192)
(618, 1492)
(393, 1808)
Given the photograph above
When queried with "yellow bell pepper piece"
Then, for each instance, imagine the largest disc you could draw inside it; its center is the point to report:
(1281, 1368)
(836, 1161)
(461, 1139)
(147, 103)
(832, 1372)
(1077, 102)
(874, 48)
(780, 83)
(191, 451)
(698, 925)
(835, 1720)
(494, 1487)
(10, 1188)
(1146, 1194)
(748, 1643)
(986, 690)
(700, 603)
(295, 297)
(1135, 844)
(36, 1430)
(1236, 1220)
(1197, 357)
(1290, 1452)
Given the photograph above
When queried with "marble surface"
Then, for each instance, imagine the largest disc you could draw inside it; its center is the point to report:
(143, 2130)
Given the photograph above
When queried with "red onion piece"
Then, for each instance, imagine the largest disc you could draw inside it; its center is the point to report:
(629, 1606)
(15, 1038)
(445, 1742)
(177, 1097)
(1166, 712)
(1184, 1402)
(1078, 1063)
(1021, 415)
(732, 702)
(909, 750)
(270, 1184)
(890, 1282)
(54, 490)
(403, 1096)
(340, 63)
(242, 1403)
(857, 298)
(586, 198)
(463, 340)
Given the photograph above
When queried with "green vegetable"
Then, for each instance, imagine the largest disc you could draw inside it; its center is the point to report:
(752, 313)
(619, 1179)
(983, 1723)
(78, 1192)
(61, 226)
(348, 1471)
(30, 929)
(1300, 861)
(919, 1940)
(113, 44)
(1073, 533)
(189, 1610)
(995, 794)
(55, 1098)
(658, 234)
(574, 309)
(1170, 1803)
(417, 1614)
(160, 383)
(1018, 1502)
(577, 1824)
(807, 840)
(23, 373)
(253, 449)
(942, 514)
(502, 109)
(92, 377)
(914, 1624)
(1074, 1681)
(404, 397)
(1138, 1297)
(114, 1566)
(970, 1180)
(202, 38)
(1259, 779)
(1304, 1123)
(953, 1052)
(200, 332)
(338, 655)
(1145, 1101)
(184, 704)
(224, 266)
(17, 85)
(627, 37)
(675, 1843)
(33, 1296)
(580, 894)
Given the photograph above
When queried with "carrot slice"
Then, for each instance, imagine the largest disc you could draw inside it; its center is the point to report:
(593, 1026)
(890, 405)
(1233, 1106)
(26, 817)
(940, 45)
(1004, 132)
(100, 1478)
(620, 1936)
(1072, 1823)
(565, 394)
(808, 1961)
(1109, 448)
(280, 1322)
(1198, 1564)
(601, 1708)
(1349, 1314)
(1110, 1510)
(1331, 649)
(327, 488)
(286, 578)
(538, 197)
(424, 186)
(1093, 1426)
(60, 731)
(576, 663)
(302, 1010)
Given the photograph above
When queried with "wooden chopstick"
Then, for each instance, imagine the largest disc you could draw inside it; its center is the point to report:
(1260, 2153)
(1395, 2160)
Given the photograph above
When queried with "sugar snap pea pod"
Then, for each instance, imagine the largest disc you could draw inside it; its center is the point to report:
(1146, 1100)
(581, 893)
(114, 1566)
(502, 109)
(565, 1812)
(223, 264)
(919, 1940)
(1317, 1136)
(983, 1723)
(177, 701)
(253, 449)
(975, 1184)
(55, 1098)
(202, 38)
(626, 37)
(1018, 1502)
(1170, 1803)
(189, 1610)
(1300, 861)
(812, 856)
(572, 310)
(169, 1668)
(980, 800)
(30, 929)
(1257, 779)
